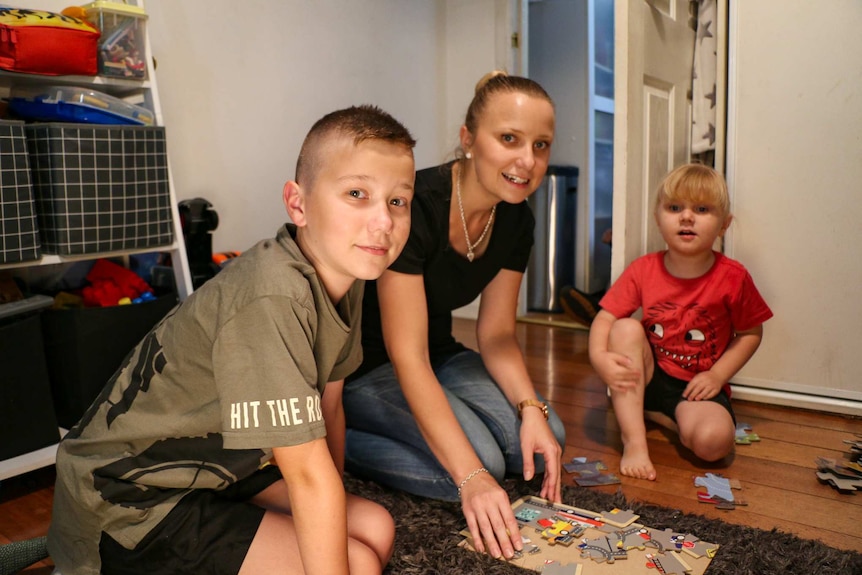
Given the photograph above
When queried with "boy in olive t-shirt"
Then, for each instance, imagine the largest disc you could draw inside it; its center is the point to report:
(170, 470)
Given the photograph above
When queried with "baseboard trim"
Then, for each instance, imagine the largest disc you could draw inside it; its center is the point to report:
(801, 400)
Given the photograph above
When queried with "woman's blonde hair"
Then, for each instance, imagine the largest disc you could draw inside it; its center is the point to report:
(498, 82)
(694, 183)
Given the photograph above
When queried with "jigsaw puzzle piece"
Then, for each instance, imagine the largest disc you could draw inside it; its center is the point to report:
(527, 514)
(559, 569)
(744, 434)
(619, 518)
(717, 486)
(601, 550)
(720, 502)
(634, 537)
(850, 470)
(698, 549)
(841, 484)
(668, 564)
(585, 468)
(668, 539)
(602, 479)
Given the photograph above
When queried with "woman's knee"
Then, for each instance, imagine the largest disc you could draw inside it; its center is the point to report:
(492, 459)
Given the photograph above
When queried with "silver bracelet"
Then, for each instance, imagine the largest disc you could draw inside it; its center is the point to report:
(469, 477)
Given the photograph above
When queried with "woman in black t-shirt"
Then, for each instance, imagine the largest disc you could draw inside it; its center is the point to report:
(424, 413)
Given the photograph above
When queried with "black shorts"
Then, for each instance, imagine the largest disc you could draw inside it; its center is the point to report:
(207, 532)
(664, 393)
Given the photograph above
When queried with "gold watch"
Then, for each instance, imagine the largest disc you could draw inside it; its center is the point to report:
(532, 403)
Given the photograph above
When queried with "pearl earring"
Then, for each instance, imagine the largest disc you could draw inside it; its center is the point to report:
(468, 155)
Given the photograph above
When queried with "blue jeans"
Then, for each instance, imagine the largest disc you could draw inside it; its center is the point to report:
(384, 443)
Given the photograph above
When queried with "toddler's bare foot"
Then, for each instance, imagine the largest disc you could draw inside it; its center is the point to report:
(636, 463)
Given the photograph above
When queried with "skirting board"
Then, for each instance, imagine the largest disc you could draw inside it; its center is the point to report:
(801, 400)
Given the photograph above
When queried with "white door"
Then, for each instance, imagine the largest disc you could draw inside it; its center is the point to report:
(794, 168)
(654, 55)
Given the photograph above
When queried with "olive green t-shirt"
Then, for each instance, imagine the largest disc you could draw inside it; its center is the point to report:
(235, 370)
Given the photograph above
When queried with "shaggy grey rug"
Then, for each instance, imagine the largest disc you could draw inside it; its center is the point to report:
(428, 534)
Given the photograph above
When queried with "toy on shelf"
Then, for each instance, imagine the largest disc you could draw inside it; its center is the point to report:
(221, 259)
(110, 284)
(121, 47)
(77, 105)
(41, 42)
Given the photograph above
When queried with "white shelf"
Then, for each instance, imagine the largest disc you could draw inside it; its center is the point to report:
(114, 86)
(143, 93)
(51, 260)
(29, 461)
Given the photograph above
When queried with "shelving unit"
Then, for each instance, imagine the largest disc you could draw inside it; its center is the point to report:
(142, 93)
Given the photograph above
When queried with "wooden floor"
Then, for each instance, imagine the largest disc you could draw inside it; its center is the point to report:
(777, 474)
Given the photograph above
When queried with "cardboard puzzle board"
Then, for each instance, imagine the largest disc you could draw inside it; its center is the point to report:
(564, 540)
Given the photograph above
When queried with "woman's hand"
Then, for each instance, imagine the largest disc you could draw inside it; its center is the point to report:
(537, 437)
(490, 518)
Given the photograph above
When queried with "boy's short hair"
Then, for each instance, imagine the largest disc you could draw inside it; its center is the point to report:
(695, 183)
(365, 122)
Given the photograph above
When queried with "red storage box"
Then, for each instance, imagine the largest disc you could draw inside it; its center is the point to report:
(39, 42)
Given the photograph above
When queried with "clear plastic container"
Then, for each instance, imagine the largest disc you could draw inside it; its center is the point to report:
(73, 104)
(122, 47)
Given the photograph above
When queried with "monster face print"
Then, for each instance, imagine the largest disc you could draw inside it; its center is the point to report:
(684, 335)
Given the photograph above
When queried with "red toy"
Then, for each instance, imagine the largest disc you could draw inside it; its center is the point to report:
(109, 283)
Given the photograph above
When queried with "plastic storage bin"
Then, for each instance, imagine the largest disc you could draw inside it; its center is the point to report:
(552, 262)
(72, 104)
(27, 420)
(122, 47)
(100, 188)
(19, 233)
(84, 347)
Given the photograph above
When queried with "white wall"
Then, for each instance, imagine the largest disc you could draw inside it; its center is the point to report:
(472, 41)
(475, 40)
(242, 82)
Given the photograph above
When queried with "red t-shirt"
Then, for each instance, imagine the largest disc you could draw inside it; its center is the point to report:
(689, 322)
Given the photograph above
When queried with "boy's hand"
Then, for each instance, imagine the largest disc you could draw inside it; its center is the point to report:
(704, 385)
(617, 371)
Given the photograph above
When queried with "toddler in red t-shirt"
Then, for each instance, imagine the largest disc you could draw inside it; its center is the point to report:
(702, 320)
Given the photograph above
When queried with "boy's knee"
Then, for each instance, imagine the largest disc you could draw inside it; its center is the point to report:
(376, 532)
(709, 444)
(363, 558)
(628, 326)
(383, 542)
(715, 452)
(625, 330)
